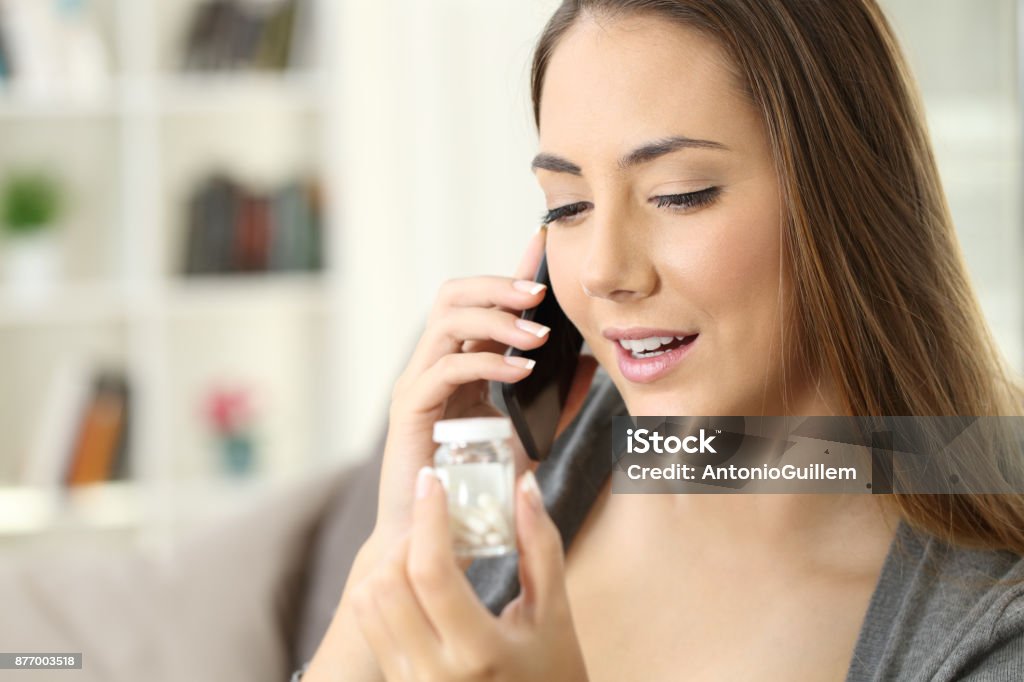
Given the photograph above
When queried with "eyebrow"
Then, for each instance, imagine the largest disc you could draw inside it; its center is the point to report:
(643, 154)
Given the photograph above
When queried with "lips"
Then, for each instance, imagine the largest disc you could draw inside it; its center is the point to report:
(645, 370)
(632, 333)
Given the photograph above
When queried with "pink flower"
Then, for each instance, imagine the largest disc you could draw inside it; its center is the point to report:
(228, 409)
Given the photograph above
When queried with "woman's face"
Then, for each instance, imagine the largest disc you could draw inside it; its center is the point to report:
(628, 254)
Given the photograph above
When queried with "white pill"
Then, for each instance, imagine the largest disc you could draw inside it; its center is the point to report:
(462, 529)
(497, 522)
(475, 522)
(493, 538)
(488, 514)
(471, 539)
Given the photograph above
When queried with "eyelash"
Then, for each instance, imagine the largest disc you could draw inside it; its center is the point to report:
(689, 200)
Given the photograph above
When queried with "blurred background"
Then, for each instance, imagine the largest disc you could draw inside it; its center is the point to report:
(223, 222)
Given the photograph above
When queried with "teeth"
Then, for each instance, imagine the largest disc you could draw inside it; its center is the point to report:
(648, 344)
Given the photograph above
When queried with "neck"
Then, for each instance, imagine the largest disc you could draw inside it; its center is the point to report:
(826, 529)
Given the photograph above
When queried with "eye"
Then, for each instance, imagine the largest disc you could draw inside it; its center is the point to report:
(563, 213)
(688, 200)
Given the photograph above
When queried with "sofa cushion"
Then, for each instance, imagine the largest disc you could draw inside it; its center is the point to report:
(220, 606)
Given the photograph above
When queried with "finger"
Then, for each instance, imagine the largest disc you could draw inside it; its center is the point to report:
(526, 270)
(446, 330)
(448, 334)
(482, 291)
(404, 618)
(375, 632)
(463, 622)
(586, 367)
(434, 386)
(510, 295)
(541, 553)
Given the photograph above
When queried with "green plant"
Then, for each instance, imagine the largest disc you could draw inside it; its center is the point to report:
(31, 202)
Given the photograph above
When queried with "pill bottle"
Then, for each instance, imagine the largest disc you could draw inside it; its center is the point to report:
(475, 464)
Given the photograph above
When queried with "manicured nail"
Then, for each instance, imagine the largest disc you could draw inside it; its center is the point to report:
(529, 286)
(538, 330)
(520, 361)
(423, 481)
(532, 490)
(541, 228)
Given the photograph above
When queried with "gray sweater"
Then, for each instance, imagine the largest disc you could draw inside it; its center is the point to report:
(940, 613)
(937, 612)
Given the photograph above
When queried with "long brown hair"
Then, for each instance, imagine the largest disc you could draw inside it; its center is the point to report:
(882, 301)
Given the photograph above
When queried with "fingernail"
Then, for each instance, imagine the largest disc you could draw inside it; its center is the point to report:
(529, 286)
(541, 228)
(532, 490)
(532, 327)
(423, 481)
(520, 361)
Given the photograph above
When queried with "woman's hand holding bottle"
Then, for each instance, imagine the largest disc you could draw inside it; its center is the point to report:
(470, 326)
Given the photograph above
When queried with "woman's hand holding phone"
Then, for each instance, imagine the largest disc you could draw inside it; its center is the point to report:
(471, 324)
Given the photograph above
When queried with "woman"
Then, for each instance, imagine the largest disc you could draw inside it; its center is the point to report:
(755, 173)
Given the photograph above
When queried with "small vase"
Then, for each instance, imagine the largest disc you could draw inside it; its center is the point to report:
(31, 265)
(237, 450)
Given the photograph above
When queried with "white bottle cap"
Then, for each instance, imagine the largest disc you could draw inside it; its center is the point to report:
(472, 430)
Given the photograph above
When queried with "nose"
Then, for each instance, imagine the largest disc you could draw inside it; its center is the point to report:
(616, 263)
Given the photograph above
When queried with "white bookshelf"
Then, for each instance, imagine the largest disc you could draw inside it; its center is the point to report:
(147, 143)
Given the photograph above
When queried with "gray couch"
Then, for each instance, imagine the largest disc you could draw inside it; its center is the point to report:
(244, 599)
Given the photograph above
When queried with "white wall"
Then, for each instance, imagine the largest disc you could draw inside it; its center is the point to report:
(436, 181)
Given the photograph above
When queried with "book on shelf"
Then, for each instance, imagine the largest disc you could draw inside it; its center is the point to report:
(234, 229)
(252, 238)
(83, 430)
(226, 35)
(100, 450)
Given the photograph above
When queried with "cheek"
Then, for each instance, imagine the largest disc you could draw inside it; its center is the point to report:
(745, 268)
(737, 283)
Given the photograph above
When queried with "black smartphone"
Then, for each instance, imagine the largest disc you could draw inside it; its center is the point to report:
(535, 404)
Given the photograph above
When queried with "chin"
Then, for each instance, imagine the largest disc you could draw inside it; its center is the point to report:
(661, 404)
